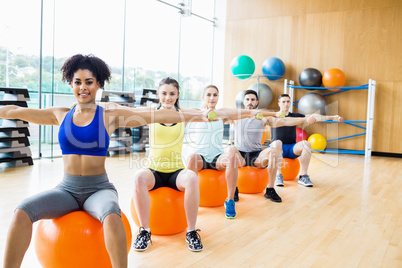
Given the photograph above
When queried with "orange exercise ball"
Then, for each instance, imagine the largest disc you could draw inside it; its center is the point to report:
(252, 180)
(317, 141)
(333, 78)
(74, 240)
(264, 137)
(290, 168)
(213, 187)
(167, 215)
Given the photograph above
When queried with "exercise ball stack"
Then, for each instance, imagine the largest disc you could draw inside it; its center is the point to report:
(312, 103)
(242, 66)
(273, 68)
(333, 78)
(310, 77)
(264, 92)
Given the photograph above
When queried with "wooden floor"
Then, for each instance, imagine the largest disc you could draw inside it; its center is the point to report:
(352, 217)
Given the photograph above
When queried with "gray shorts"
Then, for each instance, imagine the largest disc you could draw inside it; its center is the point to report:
(93, 194)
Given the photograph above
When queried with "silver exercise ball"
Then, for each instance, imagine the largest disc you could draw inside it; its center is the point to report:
(312, 103)
(239, 100)
(264, 94)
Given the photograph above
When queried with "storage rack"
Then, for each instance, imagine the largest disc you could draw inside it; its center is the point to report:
(370, 87)
(14, 143)
(140, 135)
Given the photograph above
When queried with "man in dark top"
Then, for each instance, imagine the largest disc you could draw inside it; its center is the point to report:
(291, 149)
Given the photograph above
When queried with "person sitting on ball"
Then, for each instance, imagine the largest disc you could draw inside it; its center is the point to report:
(84, 138)
(248, 135)
(287, 137)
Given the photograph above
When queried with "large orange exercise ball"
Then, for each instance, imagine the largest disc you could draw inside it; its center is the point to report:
(317, 141)
(213, 187)
(290, 168)
(167, 215)
(74, 240)
(252, 180)
(333, 78)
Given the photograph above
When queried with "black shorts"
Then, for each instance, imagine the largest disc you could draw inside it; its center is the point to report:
(209, 165)
(250, 157)
(163, 179)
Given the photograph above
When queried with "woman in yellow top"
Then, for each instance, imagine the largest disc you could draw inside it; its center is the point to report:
(166, 169)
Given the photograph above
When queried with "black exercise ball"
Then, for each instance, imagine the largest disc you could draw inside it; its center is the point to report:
(310, 77)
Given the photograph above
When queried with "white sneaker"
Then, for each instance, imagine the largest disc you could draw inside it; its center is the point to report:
(279, 180)
(305, 181)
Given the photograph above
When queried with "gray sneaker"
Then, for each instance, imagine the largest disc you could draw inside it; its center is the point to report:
(305, 181)
(279, 180)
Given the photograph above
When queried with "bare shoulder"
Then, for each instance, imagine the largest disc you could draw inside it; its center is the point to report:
(58, 110)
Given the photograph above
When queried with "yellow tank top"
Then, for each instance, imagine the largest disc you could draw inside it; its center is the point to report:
(165, 144)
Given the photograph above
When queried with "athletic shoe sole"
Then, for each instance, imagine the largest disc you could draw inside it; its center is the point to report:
(193, 250)
(306, 185)
(140, 249)
(276, 201)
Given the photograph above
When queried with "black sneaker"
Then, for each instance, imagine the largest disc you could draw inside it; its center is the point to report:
(236, 195)
(270, 193)
(143, 239)
(194, 240)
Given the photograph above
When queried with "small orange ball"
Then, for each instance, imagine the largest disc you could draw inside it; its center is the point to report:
(290, 168)
(74, 240)
(252, 180)
(213, 187)
(333, 78)
(167, 215)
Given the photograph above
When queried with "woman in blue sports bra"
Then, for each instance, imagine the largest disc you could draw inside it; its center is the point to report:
(84, 137)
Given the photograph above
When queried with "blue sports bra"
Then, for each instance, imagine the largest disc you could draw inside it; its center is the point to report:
(92, 139)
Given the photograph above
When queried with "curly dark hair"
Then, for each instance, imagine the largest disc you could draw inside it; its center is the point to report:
(173, 82)
(99, 69)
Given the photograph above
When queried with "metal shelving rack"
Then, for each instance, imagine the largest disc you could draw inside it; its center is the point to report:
(370, 87)
(14, 142)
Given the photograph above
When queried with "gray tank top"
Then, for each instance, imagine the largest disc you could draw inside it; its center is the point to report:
(248, 134)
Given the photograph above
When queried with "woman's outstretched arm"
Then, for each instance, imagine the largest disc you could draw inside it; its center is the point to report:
(293, 121)
(134, 118)
(48, 116)
(235, 114)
